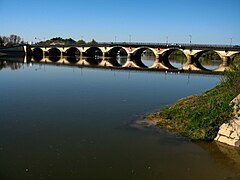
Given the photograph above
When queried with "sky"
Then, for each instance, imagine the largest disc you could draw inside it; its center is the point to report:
(204, 21)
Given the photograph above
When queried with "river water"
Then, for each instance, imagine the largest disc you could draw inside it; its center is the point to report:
(66, 122)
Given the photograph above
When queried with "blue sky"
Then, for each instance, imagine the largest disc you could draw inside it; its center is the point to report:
(207, 21)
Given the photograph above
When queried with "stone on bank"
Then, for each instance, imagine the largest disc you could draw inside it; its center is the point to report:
(229, 133)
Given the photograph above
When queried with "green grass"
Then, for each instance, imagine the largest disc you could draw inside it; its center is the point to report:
(199, 117)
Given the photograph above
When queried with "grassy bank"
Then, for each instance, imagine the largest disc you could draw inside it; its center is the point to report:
(199, 117)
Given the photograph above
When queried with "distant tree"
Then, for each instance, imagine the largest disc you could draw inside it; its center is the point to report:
(11, 40)
(69, 41)
(81, 42)
(57, 39)
(93, 42)
(1, 41)
(14, 39)
(5, 40)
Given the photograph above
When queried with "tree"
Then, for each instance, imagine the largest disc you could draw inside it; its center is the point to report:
(11, 40)
(69, 41)
(57, 39)
(14, 39)
(5, 40)
(93, 42)
(81, 42)
(1, 41)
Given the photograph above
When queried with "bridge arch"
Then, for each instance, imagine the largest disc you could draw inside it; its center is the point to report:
(54, 52)
(208, 59)
(72, 55)
(138, 54)
(114, 51)
(72, 51)
(37, 54)
(117, 55)
(37, 51)
(93, 52)
(54, 58)
(169, 62)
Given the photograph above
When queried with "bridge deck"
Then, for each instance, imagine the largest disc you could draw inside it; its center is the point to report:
(153, 45)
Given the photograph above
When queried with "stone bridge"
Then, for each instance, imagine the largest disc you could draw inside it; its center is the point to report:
(108, 52)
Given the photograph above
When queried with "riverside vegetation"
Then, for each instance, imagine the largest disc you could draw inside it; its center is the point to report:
(199, 117)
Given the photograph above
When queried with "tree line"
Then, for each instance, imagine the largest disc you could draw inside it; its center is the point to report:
(16, 40)
(10, 40)
(61, 41)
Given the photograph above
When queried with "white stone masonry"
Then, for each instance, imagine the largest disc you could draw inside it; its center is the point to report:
(229, 133)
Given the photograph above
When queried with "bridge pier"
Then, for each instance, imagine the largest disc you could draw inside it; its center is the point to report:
(225, 64)
(130, 63)
(105, 61)
(27, 53)
(191, 64)
(226, 61)
(63, 60)
(44, 52)
(81, 54)
(83, 62)
(129, 56)
(158, 64)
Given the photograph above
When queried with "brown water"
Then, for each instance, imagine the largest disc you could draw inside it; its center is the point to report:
(61, 122)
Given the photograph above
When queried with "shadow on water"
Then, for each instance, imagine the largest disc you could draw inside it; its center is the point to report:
(223, 154)
(12, 58)
(9, 64)
(13, 63)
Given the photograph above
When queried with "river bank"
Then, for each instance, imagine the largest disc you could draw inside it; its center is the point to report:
(199, 117)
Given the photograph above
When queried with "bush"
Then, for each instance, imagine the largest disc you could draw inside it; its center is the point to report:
(232, 78)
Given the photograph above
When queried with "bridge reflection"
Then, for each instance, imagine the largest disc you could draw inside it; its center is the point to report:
(118, 63)
(12, 64)
(121, 61)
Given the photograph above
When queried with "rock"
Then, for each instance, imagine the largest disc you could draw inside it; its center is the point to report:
(226, 140)
(234, 135)
(229, 133)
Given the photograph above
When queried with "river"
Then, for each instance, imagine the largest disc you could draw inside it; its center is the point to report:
(67, 122)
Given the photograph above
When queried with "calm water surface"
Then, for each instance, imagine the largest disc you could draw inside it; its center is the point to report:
(59, 122)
